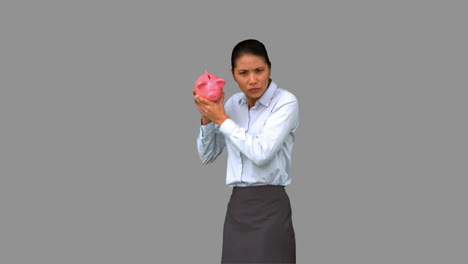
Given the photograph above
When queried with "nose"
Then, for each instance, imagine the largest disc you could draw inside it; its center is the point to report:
(252, 79)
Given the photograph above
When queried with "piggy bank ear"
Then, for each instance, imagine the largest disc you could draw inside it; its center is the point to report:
(201, 85)
(220, 82)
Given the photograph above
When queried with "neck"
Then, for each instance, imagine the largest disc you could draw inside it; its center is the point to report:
(251, 103)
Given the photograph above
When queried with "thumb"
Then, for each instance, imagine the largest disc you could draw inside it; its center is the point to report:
(221, 99)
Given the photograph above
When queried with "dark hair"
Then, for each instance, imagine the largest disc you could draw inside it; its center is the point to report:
(249, 46)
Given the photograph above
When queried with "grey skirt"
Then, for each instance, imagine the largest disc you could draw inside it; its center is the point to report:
(258, 226)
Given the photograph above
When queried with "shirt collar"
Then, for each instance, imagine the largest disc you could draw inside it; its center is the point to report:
(266, 97)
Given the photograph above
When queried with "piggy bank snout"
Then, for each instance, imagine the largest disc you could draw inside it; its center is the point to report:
(213, 96)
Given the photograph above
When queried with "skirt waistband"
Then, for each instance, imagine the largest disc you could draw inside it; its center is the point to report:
(257, 187)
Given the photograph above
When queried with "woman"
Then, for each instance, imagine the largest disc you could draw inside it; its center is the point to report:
(257, 128)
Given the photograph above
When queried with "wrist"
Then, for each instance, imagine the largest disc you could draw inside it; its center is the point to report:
(205, 121)
(220, 121)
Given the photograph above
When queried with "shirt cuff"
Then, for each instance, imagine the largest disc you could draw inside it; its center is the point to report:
(227, 127)
(207, 129)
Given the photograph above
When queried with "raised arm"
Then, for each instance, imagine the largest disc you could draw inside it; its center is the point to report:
(210, 142)
(262, 146)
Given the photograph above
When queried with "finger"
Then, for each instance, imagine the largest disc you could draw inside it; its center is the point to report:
(221, 100)
(200, 107)
(202, 100)
(196, 100)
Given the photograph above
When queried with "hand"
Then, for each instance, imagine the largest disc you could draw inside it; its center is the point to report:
(210, 111)
(204, 120)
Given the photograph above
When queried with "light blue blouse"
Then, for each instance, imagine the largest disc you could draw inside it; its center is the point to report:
(259, 140)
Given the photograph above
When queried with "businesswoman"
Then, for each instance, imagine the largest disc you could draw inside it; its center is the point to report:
(257, 127)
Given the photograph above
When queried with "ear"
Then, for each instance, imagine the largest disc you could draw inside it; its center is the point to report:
(220, 82)
(201, 85)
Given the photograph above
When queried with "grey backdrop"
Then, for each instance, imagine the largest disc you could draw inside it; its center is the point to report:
(98, 128)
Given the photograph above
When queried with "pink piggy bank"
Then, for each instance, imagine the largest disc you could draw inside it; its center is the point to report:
(209, 86)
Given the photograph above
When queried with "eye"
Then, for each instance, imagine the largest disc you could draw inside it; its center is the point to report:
(243, 73)
(259, 70)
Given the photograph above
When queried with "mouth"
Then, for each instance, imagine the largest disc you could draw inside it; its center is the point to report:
(253, 90)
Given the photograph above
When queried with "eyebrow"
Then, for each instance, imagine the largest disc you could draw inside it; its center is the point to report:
(261, 67)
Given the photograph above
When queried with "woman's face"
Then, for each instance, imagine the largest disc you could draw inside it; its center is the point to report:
(252, 74)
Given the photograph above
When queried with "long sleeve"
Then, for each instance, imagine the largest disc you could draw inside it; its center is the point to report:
(258, 140)
(210, 143)
(261, 146)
